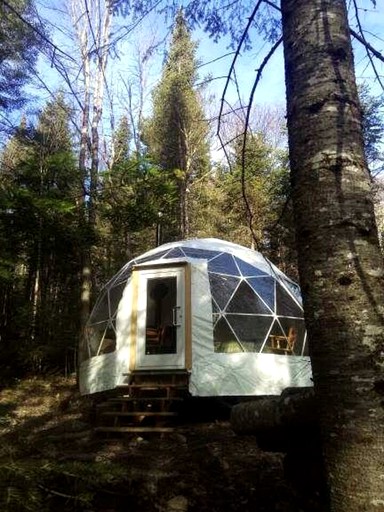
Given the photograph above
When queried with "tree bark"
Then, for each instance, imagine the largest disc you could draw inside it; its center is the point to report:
(340, 263)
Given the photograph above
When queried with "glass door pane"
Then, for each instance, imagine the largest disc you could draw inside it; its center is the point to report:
(161, 308)
(160, 339)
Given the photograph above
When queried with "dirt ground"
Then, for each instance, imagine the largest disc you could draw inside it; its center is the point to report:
(51, 459)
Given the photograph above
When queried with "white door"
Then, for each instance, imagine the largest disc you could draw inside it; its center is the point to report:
(161, 319)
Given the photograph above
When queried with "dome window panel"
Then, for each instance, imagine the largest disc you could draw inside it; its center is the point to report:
(115, 294)
(287, 337)
(245, 300)
(298, 325)
(101, 310)
(199, 253)
(215, 318)
(155, 256)
(251, 330)
(265, 288)
(286, 304)
(222, 288)
(101, 339)
(225, 339)
(248, 270)
(175, 253)
(215, 307)
(223, 264)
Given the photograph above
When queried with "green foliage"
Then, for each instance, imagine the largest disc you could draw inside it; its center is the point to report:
(39, 243)
(19, 46)
(39, 486)
(176, 134)
(372, 110)
(135, 192)
(122, 139)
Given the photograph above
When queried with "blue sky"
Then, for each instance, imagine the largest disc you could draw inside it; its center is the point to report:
(271, 90)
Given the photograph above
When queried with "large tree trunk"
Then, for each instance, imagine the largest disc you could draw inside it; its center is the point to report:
(340, 264)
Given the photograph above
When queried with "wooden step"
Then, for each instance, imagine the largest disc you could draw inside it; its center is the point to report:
(142, 398)
(139, 413)
(157, 385)
(135, 429)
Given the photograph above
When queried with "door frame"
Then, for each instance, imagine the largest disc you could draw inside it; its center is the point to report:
(186, 361)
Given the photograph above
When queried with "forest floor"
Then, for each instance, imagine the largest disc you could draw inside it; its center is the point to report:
(51, 460)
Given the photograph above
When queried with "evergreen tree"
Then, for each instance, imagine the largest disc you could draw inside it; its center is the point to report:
(19, 45)
(135, 194)
(121, 142)
(177, 132)
(372, 111)
(37, 205)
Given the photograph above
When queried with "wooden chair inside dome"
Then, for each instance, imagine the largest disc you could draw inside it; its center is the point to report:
(284, 344)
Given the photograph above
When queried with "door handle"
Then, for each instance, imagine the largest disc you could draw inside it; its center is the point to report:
(174, 316)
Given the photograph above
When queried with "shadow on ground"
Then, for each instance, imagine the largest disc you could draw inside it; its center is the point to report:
(50, 460)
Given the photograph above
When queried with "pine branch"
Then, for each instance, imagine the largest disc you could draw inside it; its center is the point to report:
(37, 31)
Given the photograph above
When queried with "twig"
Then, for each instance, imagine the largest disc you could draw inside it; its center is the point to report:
(364, 42)
(237, 53)
(35, 29)
(368, 47)
(57, 493)
(257, 80)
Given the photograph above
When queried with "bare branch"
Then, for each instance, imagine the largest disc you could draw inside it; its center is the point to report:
(257, 80)
(237, 53)
(368, 47)
(38, 32)
(365, 43)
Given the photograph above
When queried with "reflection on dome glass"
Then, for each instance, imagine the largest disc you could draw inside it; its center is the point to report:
(286, 305)
(199, 253)
(175, 253)
(155, 256)
(224, 338)
(245, 300)
(265, 288)
(222, 288)
(251, 330)
(248, 270)
(223, 264)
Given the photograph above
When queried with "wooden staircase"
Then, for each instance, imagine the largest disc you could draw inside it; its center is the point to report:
(146, 404)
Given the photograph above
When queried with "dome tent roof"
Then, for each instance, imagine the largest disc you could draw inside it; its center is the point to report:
(213, 250)
(242, 311)
(251, 297)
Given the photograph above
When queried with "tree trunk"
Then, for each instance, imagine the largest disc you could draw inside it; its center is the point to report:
(340, 263)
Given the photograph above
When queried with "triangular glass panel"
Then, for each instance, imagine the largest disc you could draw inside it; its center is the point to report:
(100, 311)
(251, 330)
(115, 295)
(215, 307)
(223, 264)
(222, 288)
(224, 338)
(285, 304)
(199, 253)
(155, 256)
(245, 300)
(175, 253)
(298, 325)
(215, 318)
(294, 288)
(265, 288)
(276, 336)
(248, 270)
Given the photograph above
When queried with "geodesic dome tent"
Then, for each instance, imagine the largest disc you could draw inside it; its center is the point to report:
(219, 310)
